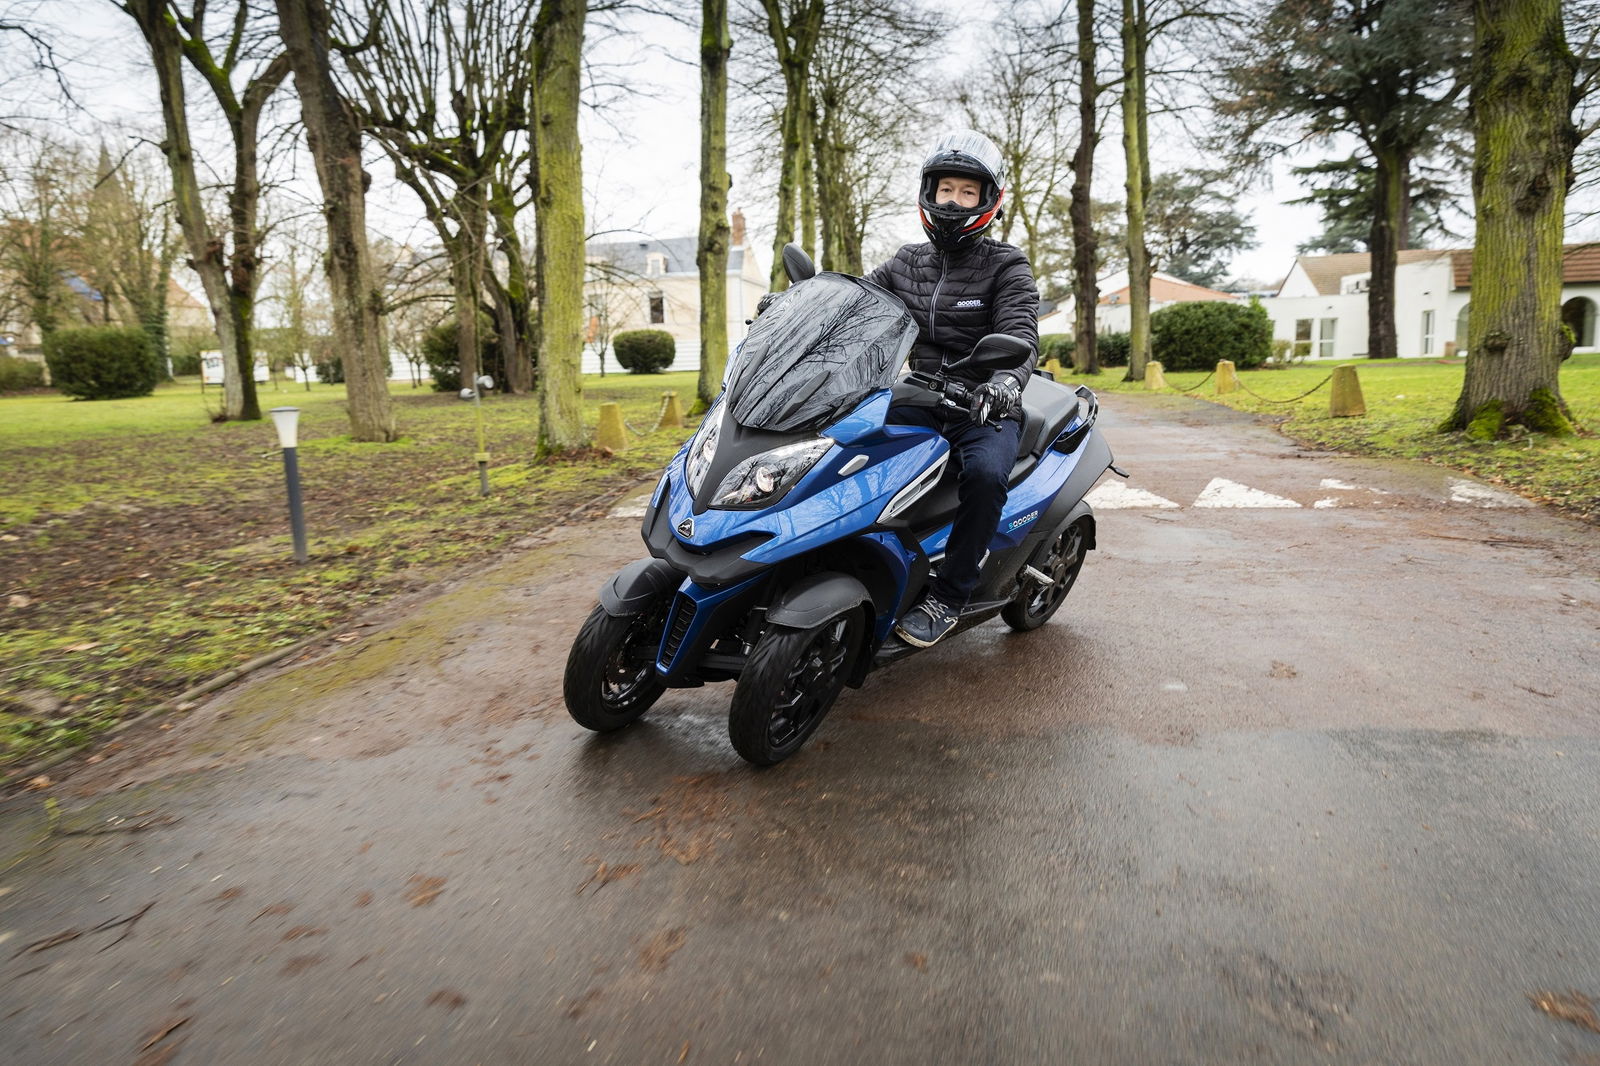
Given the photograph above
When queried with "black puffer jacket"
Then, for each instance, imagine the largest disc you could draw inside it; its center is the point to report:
(956, 300)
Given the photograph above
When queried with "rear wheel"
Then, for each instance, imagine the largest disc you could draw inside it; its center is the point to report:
(788, 685)
(611, 671)
(1059, 560)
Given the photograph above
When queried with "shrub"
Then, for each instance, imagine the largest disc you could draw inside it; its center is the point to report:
(18, 374)
(1194, 336)
(1286, 353)
(184, 348)
(644, 351)
(1058, 346)
(440, 351)
(102, 362)
(330, 370)
(1113, 348)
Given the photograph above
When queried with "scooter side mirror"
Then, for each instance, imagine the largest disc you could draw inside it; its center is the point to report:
(997, 351)
(797, 264)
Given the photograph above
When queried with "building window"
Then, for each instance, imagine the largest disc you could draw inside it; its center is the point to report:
(1302, 337)
(655, 263)
(658, 308)
(1325, 338)
(1427, 333)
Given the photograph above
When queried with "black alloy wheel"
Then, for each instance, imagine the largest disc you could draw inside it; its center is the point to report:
(1060, 561)
(611, 671)
(789, 684)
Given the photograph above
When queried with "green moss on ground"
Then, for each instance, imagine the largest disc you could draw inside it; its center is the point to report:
(144, 549)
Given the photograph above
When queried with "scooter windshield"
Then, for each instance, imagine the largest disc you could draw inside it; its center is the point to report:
(818, 352)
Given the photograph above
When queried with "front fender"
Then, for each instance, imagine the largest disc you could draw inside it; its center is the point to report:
(636, 585)
(815, 599)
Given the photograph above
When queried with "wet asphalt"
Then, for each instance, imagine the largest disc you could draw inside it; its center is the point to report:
(1278, 785)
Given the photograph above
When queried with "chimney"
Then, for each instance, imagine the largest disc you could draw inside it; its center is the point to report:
(737, 236)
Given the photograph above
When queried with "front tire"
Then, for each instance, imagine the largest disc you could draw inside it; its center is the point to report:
(611, 671)
(789, 684)
(1060, 560)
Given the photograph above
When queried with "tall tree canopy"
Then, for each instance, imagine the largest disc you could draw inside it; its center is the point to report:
(1387, 72)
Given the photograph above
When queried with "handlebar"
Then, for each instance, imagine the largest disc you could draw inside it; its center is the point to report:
(954, 393)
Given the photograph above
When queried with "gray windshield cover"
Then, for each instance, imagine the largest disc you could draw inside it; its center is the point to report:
(819, 351)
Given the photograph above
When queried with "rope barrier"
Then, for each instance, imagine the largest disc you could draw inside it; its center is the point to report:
(660, 415)
(1197, 384)
(1292, 399)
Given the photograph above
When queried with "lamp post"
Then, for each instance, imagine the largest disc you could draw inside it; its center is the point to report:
(286, 419)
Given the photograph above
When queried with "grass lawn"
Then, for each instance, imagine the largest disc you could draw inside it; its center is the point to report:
(144, 548)
(1406, 400)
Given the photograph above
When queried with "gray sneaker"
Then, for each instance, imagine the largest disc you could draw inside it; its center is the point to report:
(926, 623)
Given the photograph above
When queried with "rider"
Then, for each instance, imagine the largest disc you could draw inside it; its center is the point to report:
(959, 286)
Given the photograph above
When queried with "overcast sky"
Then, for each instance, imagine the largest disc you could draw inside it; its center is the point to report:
(641, 159)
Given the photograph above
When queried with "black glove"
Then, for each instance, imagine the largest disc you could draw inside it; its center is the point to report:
(994, 400)
(766, 301)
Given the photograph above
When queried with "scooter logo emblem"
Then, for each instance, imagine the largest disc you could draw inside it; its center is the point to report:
(686, 527)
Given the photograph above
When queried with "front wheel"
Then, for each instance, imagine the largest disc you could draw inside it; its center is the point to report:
(788, 685)
(1059, 561)
(611, 671)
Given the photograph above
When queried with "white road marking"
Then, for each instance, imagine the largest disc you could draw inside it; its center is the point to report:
(1329, 502)
(1335, 483)
(631, 509)
(1114, 495)
(1482, 495)
(1224, 493)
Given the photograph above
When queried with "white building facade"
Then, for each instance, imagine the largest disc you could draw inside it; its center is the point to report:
(1322, 304)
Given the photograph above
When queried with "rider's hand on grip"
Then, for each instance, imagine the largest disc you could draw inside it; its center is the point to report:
(994, 400)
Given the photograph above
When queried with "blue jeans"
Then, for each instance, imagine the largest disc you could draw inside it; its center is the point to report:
(984, 457)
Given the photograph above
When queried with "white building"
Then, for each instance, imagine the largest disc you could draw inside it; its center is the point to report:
(1322, 304)
(655, 284)
(1113, 314)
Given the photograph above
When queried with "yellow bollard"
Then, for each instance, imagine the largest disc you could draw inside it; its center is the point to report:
(671, 413)
(1154, 375)
(1227, 377)
(1052, 367)
(611, 435)
(1345, 400)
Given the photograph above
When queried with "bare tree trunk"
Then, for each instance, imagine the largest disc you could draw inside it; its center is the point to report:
(513, 300)
(796, 43)
(712, 256)
(1522, 114)
(1085, 245)
(1135, 37)
(558, 63)
(466, 271)
(1384, 241)
(808, 172)
(334, 137)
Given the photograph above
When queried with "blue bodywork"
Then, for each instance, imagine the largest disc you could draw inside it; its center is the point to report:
(826, 508)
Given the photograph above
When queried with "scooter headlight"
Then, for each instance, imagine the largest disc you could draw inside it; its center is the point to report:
(702, 449)
(762, 480)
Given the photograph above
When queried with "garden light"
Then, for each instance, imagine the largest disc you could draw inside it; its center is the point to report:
(287, 420)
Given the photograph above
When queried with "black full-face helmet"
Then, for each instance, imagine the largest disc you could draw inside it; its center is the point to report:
(969, 154)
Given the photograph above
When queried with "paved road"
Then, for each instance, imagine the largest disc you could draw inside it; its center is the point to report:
(1293, 784)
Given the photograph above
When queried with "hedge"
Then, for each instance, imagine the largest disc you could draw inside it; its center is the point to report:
(1195, 336)
(103, 362)
(644, 351)
(1112, 348)
(18, 374)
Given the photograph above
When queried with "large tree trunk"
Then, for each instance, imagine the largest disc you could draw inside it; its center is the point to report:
(466, 271)
(205, 248)
(796, 43)
(1085, 246)
(334, 137)
(1522, 116)
(1384, 241)
(513, 300)
(808, 172)
(712, 255)
(558, 61)
(1135, 33)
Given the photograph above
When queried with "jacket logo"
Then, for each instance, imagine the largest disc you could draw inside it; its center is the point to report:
(968, 303)
(686, 527)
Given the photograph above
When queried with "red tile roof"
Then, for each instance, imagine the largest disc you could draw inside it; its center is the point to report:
(1579, 263)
